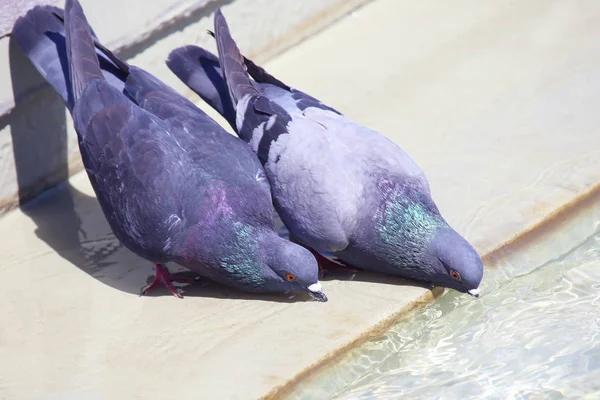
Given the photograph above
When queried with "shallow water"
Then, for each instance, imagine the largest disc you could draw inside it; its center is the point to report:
(535, 333)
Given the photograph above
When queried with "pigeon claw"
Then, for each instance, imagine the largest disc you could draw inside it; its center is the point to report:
(163, 277)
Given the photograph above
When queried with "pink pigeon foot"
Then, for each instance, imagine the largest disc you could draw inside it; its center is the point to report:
(162, 276)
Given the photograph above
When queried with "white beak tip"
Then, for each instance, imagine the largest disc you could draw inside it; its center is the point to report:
(474, 292)
(316, 291)
(316, 287)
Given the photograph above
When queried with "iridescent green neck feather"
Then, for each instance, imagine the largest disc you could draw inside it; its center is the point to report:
(240, 257)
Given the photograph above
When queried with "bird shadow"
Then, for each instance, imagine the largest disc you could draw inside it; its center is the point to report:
(71, 222)
(67, 219)
(373, 277)
(206, 288)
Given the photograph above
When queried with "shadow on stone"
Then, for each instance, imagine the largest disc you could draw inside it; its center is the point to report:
(69, 221)
(38, 126)
(374, 277)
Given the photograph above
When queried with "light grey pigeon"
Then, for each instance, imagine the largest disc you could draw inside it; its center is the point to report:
(173, 184)
(337, 185)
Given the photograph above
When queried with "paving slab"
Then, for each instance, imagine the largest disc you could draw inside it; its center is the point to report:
(497, 101)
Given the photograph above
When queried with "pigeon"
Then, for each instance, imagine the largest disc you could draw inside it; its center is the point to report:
(338, 186)
(172, 183)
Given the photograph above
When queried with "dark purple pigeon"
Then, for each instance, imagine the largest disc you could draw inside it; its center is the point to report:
(173, 185)
(337, 185)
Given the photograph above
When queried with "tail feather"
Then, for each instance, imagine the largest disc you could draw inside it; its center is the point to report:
(258, 73)
(84, 66)
(39, 34)
(201, 71)
(232, 62)
(104, 53)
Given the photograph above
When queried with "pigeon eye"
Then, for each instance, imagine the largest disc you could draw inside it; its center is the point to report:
(290, 277)
(455, 275)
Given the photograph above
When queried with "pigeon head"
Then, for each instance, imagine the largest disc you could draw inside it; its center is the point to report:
(408, 237)
(426, 247)
(253, 258)
(292, 268)
(454, 261)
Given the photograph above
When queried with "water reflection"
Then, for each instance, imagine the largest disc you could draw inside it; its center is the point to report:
(534, 334)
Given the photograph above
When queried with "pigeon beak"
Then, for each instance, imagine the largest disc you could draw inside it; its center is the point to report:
(316, 291)
(474, 292)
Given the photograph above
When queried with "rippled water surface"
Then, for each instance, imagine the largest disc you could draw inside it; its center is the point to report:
(534, 334)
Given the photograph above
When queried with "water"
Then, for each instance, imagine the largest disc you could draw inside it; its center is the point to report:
(534, 334)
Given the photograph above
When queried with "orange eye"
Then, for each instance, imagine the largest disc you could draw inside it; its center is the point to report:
(290, 277)
(455, 275)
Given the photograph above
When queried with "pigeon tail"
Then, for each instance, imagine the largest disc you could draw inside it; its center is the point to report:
(84, 66)
(39, 34)
(201, 71)
(232, 62)
(119, 62)
(258, 73)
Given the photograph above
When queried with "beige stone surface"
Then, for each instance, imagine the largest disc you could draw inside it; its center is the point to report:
(497, 101)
